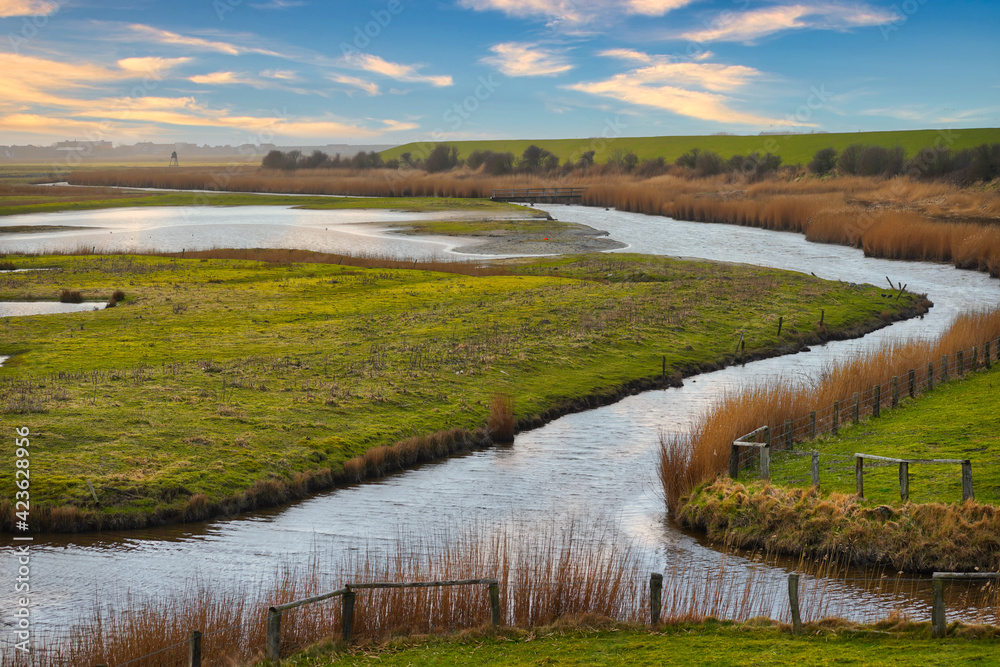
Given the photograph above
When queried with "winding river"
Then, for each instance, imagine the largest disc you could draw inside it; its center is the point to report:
(598, 463)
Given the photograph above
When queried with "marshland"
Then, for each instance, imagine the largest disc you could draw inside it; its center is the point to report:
(545, 474)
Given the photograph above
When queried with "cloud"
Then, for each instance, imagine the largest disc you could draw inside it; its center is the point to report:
(10, 8)
(151, 66)
(523, 59)
(692, 89)
(397, 71)
(278, 4)
(398, 125)
(575, 12)
(221, 78)
(281, 74)
(50, 98)
(355, 82)
(158, 36)
(752, 25)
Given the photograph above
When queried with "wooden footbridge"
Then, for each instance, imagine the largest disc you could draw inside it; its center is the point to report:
(540, 195)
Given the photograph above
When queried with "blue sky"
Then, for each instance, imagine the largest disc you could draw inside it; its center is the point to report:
(299, 72)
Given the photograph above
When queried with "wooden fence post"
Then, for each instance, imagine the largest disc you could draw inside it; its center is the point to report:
(904, 480)
(930, 376)
(959, 363)
(781, 320)
(986, 355)
(765, 462)
(793, 601)
(836, 417)
(967, 493)
(495, 616)
(859, 475)
(876, 400)
(937, 610)
(655, 591)
(857, 407)
(734, 461)
(789, 434)
(815, 468)
(812, 425)
(347, 616)
(944, 368)
(975, 358)
(194, 649)
(895, 391)
(767, 436)
(913, 383)
(272, 641)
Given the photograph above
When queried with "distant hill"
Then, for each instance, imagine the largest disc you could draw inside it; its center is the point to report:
(793, 148)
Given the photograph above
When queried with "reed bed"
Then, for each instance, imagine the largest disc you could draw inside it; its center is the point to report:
(688, 461)
(546, 574)
(897, 218)
(500, 423)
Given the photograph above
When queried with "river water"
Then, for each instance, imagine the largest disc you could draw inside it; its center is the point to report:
(599, 463)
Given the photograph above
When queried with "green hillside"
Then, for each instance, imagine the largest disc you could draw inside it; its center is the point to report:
(793, 148)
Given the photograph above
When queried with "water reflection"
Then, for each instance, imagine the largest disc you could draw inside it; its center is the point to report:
(600, 462)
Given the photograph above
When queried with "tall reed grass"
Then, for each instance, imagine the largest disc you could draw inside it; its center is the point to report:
(546, 574)
(897, 218)
(688, 461)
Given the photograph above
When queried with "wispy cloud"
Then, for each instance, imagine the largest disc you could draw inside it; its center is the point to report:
(151, 65)
(524, 59)
(575, 12)
(159, 36)
(398, 71)
(754, 24)
(278, 4)
(369, 87)
(10, 8)
(694, 89)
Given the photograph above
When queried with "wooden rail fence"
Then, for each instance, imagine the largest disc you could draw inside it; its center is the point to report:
(766, 440)
(540, 195)
(938, 621)
(272, 640)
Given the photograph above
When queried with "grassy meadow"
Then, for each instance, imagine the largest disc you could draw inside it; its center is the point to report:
(793, 148)
(713, 644)
(222, 384)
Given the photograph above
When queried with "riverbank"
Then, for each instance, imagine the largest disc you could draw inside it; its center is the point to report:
(593, 641)
(217, 385)
(518, 237)
(929, 531)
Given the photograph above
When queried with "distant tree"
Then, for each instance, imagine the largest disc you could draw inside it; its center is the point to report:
(709, 163)
(392, 164)
(736, 163)
(850, 158)
(688, 159)
(406, 158)
(586, 160)
(823, 161)
(534, 159)
(498, 164)
(476, 159)
(442, 158)
(274, 160)
(985, 162)
(622, 160)
(650, 168)
(879, 161)
(292, 159)
(316, 160)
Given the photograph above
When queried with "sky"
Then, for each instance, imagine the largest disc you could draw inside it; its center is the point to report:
(305, 72)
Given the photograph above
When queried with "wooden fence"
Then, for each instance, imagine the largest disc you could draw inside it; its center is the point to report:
(783, 437)
(272, 640)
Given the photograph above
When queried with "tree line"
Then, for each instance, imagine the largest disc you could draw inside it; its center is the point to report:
(981, 163)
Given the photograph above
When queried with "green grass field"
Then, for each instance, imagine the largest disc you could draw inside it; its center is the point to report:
(712, 644)
(213, 375)
(957, 420)
(793, 149)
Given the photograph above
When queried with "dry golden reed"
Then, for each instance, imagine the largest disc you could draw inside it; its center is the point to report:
(704, 454)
